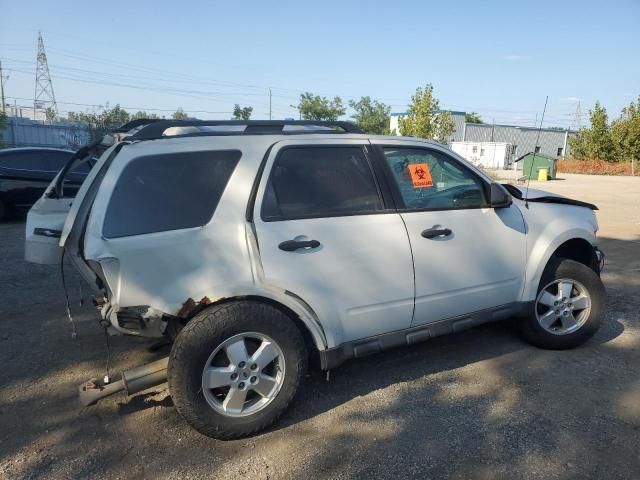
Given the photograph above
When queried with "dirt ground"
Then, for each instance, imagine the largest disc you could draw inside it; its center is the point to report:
(479, 404)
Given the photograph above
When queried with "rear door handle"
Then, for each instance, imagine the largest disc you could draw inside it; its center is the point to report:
(47, 232)
(436, 232)
(292, 245)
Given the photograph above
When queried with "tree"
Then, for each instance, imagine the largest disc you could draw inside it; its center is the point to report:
(50, 114)
(179, 114)
(594, 142)
(625, 132)
(114, 116)
(102, 122)
(424, 118)
(472, 117)
(315, 107)
(142, 114)
(242, 113)
(371, 116)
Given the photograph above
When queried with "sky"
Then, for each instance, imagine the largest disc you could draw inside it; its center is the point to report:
(498, 58)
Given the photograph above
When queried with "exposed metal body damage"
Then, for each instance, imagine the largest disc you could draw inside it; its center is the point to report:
(190, 306)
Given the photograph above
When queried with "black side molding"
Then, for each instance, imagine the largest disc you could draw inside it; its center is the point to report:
(333, 357)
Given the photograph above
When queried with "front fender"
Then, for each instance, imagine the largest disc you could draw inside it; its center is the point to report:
(543, 239)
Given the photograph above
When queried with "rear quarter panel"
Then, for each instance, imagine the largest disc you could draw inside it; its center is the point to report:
(164, 269)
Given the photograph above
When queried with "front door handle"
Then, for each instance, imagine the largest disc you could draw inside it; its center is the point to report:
(292, 245)
(436, 232)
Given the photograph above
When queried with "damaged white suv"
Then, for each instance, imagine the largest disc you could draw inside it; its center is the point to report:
(257, 247)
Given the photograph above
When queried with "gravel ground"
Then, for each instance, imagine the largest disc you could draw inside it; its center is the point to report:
(479, 404)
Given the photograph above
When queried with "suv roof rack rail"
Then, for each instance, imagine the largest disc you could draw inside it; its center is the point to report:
(156, 128)
(125, 127)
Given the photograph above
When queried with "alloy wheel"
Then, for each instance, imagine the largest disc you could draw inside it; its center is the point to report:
(563, 306)
(243, 375)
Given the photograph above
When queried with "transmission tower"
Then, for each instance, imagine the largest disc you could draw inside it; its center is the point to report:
(44, 97)
(578, 117)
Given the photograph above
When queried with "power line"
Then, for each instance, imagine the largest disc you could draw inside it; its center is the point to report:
(153, 109)
(159, 75)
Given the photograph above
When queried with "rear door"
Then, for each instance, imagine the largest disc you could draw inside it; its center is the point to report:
(327, 233)
(468, 257)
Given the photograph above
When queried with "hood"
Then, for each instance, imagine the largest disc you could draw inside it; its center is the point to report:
(541, 196)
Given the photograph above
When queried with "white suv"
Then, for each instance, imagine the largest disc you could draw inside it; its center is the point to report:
(258, 246)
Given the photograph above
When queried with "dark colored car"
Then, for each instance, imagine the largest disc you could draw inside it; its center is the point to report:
(26, 172)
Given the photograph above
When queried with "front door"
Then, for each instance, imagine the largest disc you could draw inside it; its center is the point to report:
(327, 236)
(468, 257)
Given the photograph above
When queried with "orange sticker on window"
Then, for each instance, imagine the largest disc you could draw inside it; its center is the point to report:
(420, 175)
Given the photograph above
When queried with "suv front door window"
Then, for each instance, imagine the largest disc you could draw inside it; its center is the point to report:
(325, 235)
(429, 180)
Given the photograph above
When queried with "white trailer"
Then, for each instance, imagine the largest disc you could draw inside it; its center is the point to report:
(495, 155)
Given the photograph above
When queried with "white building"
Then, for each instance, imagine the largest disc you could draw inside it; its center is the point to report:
(495, 155)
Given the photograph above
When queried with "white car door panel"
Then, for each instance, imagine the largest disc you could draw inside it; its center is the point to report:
(355, 269)
(467, 257)
(479, 265)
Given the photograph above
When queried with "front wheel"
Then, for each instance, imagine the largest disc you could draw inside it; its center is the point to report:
(235, 368)
(569, 307)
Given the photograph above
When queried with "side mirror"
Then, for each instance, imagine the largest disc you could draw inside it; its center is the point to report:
(500, 198)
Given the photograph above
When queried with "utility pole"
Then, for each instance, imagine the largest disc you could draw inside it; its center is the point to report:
(269, 103)
(2, 86)
(44, 95)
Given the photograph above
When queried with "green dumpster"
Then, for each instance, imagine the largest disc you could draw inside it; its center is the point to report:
(533, 162)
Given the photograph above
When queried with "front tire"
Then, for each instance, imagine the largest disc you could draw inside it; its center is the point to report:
(235, 368)
(569, 307)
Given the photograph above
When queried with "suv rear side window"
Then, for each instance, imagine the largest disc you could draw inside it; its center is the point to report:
(309, 182)
(430, 180)
(157, 193)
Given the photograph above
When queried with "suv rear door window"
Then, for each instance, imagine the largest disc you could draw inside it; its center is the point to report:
(307, 182)
(157, 193)
(430, 180)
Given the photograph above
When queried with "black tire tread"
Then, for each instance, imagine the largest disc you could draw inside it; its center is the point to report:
(566, 268)
(216, 322)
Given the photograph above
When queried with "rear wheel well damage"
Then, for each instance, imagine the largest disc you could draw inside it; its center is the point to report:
(579, 250)
(191, 308)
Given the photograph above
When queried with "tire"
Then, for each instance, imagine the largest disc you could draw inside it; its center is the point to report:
(229, 324)
(580, 324)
